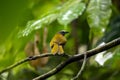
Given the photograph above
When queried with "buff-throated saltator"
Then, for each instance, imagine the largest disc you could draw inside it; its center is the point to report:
(57, 43)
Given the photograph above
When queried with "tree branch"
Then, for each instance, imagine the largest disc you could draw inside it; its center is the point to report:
(65, 63)
(79, 57)
(80, 71)
(32, 58)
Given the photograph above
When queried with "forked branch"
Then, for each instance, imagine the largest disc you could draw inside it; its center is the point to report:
(79, 57)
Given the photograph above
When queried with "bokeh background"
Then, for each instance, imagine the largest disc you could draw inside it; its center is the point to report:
(27, 26)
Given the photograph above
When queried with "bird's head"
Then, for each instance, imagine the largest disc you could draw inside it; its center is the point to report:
(63, 32)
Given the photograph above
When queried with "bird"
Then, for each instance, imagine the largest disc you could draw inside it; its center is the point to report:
(57, 42)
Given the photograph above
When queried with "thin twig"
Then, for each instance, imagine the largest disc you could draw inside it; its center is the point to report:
(79, 57)
(68, 61)
(83, 65)
(32, 58)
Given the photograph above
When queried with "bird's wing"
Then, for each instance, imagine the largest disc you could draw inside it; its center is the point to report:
(60, 51)
(55, 48)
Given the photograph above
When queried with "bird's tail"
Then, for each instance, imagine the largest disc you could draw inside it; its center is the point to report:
(57, 49)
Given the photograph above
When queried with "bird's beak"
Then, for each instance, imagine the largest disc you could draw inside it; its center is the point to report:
(66, 32)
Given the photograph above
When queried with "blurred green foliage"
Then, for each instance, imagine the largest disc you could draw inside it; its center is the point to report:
(90, 22)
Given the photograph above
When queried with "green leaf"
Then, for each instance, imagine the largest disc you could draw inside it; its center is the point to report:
(70, 11)
(37, 24)
(112, 31)
(98, 15)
